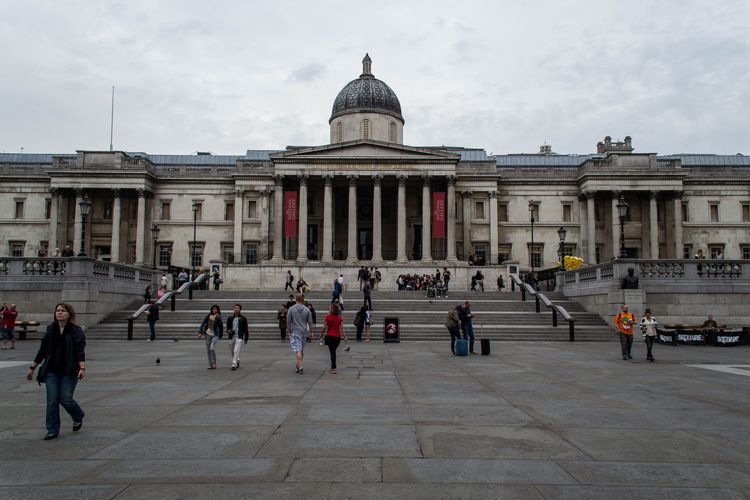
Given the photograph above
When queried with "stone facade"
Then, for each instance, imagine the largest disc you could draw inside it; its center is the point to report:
(369, 198)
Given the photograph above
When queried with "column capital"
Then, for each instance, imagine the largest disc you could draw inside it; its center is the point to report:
(53, 191)
(677, 195)
(278, 179)
(352, 179)
(265, 192)
(466, 194)
(238, 193)
(426, 180)
(615, 193)
(377, 179)
(402, 179)
(302, 179)
(588, 194)
(328, 179)
(116, 192)
(451, 180)
(493, 195)
(79, 191)
(141, 193)
(653, 194)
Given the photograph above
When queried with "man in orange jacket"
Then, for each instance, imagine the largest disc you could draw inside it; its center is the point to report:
(624, 322)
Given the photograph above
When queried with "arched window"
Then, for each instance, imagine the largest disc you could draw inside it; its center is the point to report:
(365, 129)
(392, 133)
(339, 132)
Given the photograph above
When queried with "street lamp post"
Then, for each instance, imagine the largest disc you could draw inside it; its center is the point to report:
(532, 209)
(622, 211)
(154, 237)
(562, 233)
(85, 205)
(192, 253)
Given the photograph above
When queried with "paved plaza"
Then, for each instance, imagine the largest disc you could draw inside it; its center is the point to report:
(533, 420)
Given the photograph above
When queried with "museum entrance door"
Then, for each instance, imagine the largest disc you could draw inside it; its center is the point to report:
(364, 244)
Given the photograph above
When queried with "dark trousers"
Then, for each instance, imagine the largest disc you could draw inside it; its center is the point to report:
(368, 302)
(359, 332)
(152, 329)
(333, 344)
(626, 343)
(649, 346)
(468, 330)
(282, 331)
(60, 390)
(455, 335)
(288, 285)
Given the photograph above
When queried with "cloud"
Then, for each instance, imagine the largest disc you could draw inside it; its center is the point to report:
(307, 73)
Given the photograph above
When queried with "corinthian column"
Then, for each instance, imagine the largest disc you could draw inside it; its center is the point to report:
(653, 224)
(466, 200)
(678, 225)
(615, 224)
(278, 217)
(77, 226)
(116, 220)
(401, 233)
(264, 223)
(237, 243)
(426, 219)
(140, 229)
(328, 218)
(493, 227)
(351, 252)
(302, 227)
(591, 225)
(450, 230)
(53, 216)
(377, 220)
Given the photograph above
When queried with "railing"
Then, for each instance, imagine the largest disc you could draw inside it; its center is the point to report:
(540, 298)
(62, 267)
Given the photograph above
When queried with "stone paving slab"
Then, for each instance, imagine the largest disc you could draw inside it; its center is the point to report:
(398, 421)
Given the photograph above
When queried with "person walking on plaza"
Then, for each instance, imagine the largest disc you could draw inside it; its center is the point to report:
(63, 354)
(152, 316)
(453, 324)
(648, 327)
(8, 325)
(362, 275)
(281, 317)
(368, 323)
(182, 278)
(333, 330)
(212, 330)
(465, 315)
(299, 326)
(289, 281)
(337, 293)
(624, 321)
(238, 334)
(359, 322)
(366, 291)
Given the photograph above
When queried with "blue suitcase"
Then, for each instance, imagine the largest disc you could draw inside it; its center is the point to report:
(462, 347)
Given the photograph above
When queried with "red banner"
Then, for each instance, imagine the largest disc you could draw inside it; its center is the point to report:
(290, 213)
(438, 214)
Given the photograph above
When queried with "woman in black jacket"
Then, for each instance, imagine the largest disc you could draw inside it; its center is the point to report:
(212, 330)
(63, 351)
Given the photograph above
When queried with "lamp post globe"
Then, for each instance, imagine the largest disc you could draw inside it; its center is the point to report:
(85, 205)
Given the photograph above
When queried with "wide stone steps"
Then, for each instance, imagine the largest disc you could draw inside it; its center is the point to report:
(498, 316)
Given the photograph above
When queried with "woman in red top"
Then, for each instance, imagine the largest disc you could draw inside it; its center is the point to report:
(333, 329)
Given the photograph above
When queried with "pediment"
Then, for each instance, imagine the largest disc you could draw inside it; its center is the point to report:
(364, 150)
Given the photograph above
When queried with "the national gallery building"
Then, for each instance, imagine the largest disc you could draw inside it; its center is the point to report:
(368, 198)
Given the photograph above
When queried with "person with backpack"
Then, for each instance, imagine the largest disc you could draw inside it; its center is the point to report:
(453, 324)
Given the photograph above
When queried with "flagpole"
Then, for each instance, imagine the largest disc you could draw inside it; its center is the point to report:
(112, 119)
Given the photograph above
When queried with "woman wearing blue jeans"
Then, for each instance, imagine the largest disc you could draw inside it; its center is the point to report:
(63, 352)
(212, 330)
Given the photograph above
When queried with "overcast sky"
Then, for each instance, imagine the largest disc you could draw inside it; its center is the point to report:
(227, 76)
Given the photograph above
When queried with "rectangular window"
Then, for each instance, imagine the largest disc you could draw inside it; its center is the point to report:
(227, 252)
(567, 212)
(198, 209)
(252, 209)
(504, 252)
(713, 211)
(48, 209)
(196, 254)
(716, 251)
(166, 210)
(107, 210)
(746, 212)
(569, 249)
(480, 250)
(502, 212)
(745, 251)
(687, 251)
(16, 248)
(598, 212)
(535, 255)
(479, 210)
(165, 254)
(19, 209)
(598, 255)
(229, 211)
(251, 252)
(685, 212)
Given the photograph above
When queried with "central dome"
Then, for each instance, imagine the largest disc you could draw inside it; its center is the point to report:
(366, 94)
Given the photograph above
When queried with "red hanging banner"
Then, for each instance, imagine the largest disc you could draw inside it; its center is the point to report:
(290, 213)
(438, 214)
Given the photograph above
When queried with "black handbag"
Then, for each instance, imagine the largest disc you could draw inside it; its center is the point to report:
(41, 374)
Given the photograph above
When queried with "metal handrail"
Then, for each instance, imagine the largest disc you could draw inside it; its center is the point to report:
(170, 295)
(540, 298)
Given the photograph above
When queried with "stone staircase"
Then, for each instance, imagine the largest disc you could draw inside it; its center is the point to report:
(497, 316)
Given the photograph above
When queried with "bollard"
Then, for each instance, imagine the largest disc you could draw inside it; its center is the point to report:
(130, 328)
(512, 285)
(523, 294)
(537, 303)
(172, 302)
(572, 331)
(190, 291)
(22, 333)
(554, 316)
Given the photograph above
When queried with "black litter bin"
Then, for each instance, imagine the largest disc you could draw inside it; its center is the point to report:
(390, 330)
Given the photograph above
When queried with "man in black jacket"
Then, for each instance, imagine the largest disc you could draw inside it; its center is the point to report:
(238, 332)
